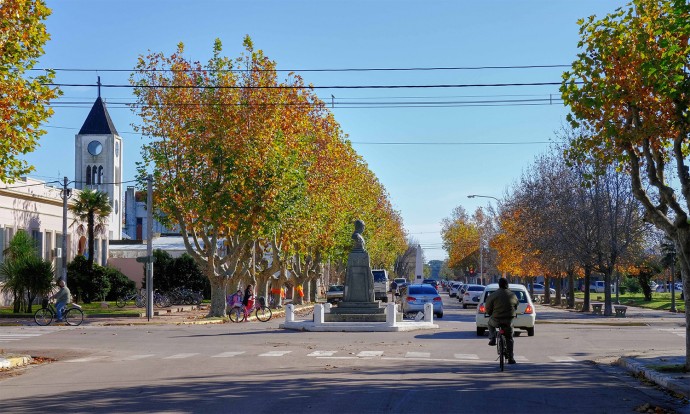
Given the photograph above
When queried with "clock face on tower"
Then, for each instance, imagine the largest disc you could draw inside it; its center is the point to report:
(95, 147)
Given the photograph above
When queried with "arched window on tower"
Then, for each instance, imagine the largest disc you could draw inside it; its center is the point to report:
(88, 175)
(100, 175)
(94, 174)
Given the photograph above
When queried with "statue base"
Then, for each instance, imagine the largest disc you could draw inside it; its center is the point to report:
(357, 312)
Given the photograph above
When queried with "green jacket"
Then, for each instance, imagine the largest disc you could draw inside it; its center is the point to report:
(501, 305)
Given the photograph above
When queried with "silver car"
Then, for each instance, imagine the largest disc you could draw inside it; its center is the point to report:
(414, 297)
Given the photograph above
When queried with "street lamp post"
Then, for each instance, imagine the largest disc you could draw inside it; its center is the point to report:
(481, 245)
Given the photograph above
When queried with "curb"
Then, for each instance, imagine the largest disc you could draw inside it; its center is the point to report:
(13, 361)
(662, 380)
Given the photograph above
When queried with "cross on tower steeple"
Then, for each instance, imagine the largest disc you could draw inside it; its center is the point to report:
(99, 86)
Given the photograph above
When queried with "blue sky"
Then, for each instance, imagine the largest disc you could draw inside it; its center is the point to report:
(429, 158)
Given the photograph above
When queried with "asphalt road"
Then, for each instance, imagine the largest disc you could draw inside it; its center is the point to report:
(256, 367)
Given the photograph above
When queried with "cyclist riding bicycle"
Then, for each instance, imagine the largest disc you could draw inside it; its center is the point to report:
(501, 306)
(62, 299)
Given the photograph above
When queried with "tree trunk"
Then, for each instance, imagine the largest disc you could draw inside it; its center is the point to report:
(547, 290)
(683, 248)
(588, 276)
(608, 309)
(557, 300)
(219, 286)
(571, 290)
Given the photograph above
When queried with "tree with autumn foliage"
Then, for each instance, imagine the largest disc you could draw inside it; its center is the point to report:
(248, 166)
(23, 100)
(631, 88)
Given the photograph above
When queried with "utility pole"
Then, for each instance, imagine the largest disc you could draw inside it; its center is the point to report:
(149, 247)
(66, 193)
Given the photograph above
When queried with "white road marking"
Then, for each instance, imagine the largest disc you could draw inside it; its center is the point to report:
(370, 354)
(182, 356)
(274, 353)
(322, 353)
(138, 357)
(520, 358)
(418, 355)
(466, 356)
(228, 354)
(676, 331)
(87, 359)
(562, 359)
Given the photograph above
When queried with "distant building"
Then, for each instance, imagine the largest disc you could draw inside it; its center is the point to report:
(37, 208)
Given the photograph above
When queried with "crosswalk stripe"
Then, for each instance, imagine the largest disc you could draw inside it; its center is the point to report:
(520, 358)
(181, 356)
(229, 354)
(138, 357)
(274, 353)
(322, 353)
(418, 355)
(87, 359)
(370, 354)
(21, 335)
(562, 359)
(466, 356)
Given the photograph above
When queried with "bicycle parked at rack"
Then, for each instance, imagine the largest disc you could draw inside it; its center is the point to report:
(138, 298)
(261, 311)
(72, 314)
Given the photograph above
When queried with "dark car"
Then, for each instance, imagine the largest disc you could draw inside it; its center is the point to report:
(432, 282)
(335, 293)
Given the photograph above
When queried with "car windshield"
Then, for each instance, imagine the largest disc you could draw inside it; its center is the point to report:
(520, 294)
(422, 290)
(475, 288)
(335, 289)
(379, 275)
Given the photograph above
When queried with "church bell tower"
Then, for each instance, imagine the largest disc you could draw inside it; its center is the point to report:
(98, 160)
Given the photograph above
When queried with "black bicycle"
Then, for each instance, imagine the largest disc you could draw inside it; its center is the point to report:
(502, 346)
(72, 315)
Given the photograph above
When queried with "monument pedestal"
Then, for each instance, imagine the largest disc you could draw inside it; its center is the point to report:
(357, 312)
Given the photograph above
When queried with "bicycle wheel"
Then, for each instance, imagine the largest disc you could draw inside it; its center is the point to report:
(121, 302)
(43, 317)
(140, 301)
(264, 314)
(74, 316)
(236, 314)
(501, 350)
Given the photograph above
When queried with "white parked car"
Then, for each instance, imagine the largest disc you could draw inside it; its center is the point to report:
(454, 288)
(472, 295)
(539, 289)
(526, 314)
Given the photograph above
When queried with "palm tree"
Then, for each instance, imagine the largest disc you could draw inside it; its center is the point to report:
(94, 208)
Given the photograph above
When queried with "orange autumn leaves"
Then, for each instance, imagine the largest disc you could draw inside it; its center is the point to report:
(238, 152)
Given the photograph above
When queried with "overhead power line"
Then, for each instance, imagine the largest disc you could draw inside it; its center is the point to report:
(436, 86)
(410, 69)
(384, 142)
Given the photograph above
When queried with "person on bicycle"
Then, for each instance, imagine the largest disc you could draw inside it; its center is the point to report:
(248, 300)
(501, 306)
(62, 299)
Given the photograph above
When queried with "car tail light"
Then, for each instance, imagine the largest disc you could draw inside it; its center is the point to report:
(481, 309)
(437, 299)
(411, 299)
(528, 309)
(467, 293)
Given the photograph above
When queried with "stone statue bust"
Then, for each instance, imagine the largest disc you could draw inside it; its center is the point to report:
(358, 244)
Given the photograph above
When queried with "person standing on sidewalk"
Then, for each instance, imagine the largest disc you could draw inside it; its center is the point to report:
(62, 299)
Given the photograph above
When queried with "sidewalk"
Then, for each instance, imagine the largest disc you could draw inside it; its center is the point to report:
(643, 366)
